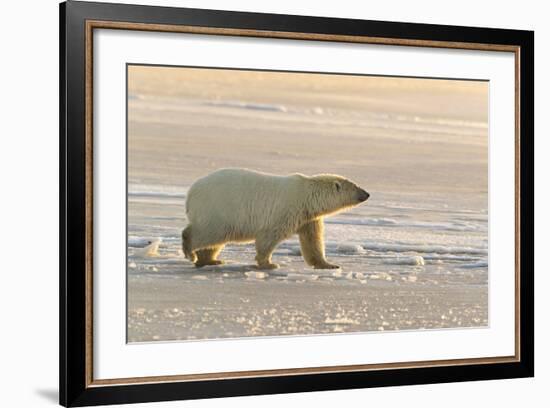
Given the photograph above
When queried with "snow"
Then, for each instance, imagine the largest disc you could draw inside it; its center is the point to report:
(416, 250)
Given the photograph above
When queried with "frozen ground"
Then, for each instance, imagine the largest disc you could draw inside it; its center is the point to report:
(414, 256)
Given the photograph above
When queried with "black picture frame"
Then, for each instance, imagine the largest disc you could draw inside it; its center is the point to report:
(76, 389)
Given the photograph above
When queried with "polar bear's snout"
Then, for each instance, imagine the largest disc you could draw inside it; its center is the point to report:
(363, 195)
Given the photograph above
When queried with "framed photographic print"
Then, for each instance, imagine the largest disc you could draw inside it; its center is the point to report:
(256, 203)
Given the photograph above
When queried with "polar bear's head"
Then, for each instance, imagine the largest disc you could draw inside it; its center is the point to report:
(330, 193)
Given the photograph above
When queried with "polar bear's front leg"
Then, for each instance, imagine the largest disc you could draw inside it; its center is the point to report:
(266, 243)
(313, 245)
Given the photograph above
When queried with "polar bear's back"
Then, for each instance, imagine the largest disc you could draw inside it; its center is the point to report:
(240, 199)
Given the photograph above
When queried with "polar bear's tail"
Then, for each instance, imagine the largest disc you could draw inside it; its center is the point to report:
(186, 244)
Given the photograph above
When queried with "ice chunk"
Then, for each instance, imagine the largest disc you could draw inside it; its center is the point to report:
(151, 249)
(256, 275)
(414, 260)
(380, 276)
(350, 249)
(139, 242)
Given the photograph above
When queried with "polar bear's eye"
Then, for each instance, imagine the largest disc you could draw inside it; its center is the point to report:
(338, 186)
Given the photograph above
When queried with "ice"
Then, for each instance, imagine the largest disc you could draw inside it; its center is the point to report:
(152, 249)
(417, 249)
(250, 105)
(278, 272)
(380, 276)
(341, 320)
(355, 221)
(139, 242)
(256, 275)
(302, 277)
(232, 267)
(452, 225)
(381, 265)
(480, 264)
(422, 248)
(350, 249)
(415, 260)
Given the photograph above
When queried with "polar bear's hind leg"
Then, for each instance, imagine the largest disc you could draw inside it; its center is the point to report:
(207, 256)
(265, 245)
(186, 244)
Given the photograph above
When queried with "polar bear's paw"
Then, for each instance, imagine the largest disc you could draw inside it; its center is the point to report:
(326, 265)
(200, 264)
(267, 266)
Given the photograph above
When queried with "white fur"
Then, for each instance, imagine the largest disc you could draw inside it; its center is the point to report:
(239, 205)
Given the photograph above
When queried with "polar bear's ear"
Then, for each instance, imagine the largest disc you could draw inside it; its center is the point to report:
(338, 186)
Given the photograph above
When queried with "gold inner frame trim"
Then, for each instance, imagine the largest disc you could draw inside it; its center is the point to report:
(98, 24)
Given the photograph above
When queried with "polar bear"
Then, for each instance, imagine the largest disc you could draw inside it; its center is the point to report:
(240, 205)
